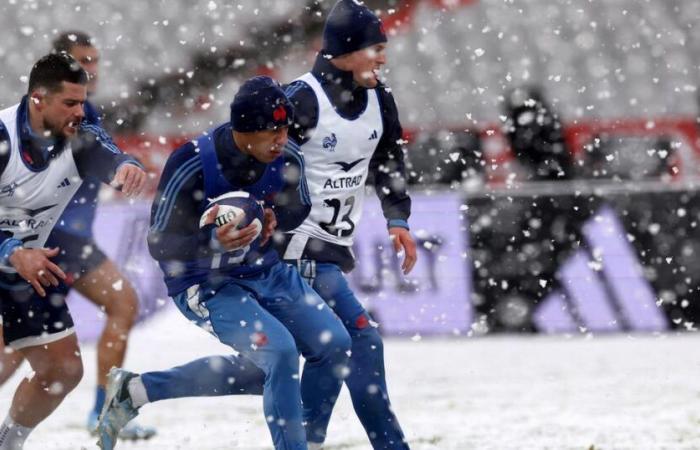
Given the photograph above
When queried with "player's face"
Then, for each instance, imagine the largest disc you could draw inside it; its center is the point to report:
(89, 59)
(265, 146)
(62, 111)
(366, 63)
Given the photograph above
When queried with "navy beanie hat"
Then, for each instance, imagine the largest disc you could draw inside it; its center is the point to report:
(260, 104)
(351, 26)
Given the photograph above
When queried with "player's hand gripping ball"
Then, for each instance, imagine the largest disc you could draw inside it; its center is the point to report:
(239, 209)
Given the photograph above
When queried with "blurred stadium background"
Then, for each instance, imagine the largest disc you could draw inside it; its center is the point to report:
(552, 149)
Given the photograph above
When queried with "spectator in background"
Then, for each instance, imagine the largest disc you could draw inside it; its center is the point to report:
(90, 271)
(445, 158)
(535, 135)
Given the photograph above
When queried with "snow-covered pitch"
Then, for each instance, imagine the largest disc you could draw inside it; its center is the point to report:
(500, 393)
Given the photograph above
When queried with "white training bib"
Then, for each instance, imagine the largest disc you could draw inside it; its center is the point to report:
(337, 160)
(32, 201)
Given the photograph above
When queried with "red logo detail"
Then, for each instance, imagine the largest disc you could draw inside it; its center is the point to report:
(259, 339)
(279, 114)
(362, 322)
(70, 279)
(27, 158)
(381, 28)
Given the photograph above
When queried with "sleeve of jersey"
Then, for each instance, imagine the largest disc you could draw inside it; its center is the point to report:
(96, 154)
(305, 105)
(174, 233)
(387, 166)
(292, 204)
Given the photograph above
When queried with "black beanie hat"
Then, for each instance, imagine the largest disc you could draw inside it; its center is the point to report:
(351, 26)
(260, 104)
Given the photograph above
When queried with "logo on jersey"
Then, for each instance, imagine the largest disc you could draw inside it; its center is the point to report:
(347, 166)
(329, 142)
(64, 183)
(344, 182)
(8, 190)
(373, 136)
(27, 211)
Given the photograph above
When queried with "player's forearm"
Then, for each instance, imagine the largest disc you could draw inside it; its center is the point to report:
(390, 186)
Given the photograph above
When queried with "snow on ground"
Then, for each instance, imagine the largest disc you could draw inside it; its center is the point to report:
(512, 392)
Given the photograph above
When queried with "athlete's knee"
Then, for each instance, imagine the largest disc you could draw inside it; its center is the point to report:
(124, 306)
(340, 341)
(335, 345)
(60, 377)
(281, 362)
(286, 353)
(368, 339)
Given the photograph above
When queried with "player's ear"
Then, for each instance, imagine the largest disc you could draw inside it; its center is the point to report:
(38, 97)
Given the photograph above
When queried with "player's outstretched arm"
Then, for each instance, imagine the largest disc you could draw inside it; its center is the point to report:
(96, 155)
(34, 265)
(403, 242)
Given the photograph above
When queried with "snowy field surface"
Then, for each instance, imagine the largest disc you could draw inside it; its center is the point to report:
(501, 393)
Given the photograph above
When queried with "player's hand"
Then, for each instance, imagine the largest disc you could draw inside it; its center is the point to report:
(228, 236)
(269, 226)
(402, 240)
(130, 178)
(34, 265)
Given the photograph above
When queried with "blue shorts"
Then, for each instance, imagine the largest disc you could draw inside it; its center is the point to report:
(29, 319)
(78, 255)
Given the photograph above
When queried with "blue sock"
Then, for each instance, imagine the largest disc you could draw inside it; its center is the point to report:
(99, 399)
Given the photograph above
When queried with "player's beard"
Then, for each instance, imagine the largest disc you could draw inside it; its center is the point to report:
(58, 130)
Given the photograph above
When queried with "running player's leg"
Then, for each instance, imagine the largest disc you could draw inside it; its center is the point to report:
(98, 279)
(366, 381)
(10, 360)
(322, 340)
(41, 330)
(235, 317)
(210, 376)
(107, 288)
(57, 370)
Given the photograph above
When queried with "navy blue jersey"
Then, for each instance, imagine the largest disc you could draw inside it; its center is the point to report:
(202, 169)
(79, 215)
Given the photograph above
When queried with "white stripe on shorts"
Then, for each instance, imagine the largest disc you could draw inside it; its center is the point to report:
(34, 341)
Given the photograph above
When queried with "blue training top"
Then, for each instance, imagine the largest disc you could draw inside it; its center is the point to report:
(206, 168)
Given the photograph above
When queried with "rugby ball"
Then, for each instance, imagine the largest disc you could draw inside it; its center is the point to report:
(237, 207)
